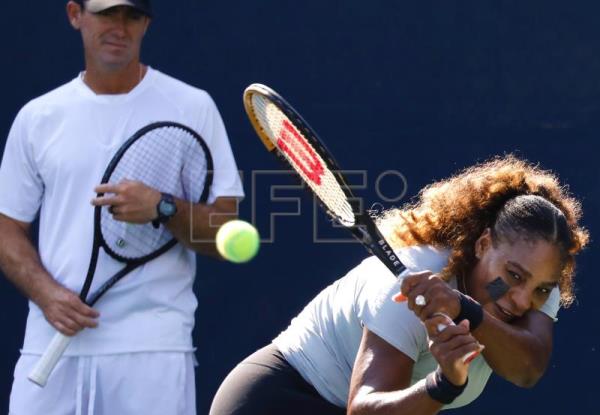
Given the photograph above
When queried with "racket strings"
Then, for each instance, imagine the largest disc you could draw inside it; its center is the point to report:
(297, 150)
(168, 159)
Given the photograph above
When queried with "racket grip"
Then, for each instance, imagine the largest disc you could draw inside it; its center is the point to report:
(44, 367)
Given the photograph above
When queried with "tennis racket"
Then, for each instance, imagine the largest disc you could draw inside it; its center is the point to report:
(284, 132)
(166, 156)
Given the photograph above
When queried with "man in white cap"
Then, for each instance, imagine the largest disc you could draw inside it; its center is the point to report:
(96, 6)
(135, 355)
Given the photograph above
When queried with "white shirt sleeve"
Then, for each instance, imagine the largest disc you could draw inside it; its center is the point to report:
(226, 177)
(21, 186)
(552, 304)
(391, 321)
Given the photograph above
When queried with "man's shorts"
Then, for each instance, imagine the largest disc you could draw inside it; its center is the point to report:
(148, 383)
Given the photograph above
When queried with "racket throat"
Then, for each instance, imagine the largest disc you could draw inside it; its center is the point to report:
(367, 232)
(90, 274)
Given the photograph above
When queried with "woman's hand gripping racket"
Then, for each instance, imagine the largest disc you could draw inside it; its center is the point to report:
(166, 156)
(284, 132)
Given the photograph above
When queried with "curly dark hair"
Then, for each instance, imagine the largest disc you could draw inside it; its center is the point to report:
(506, 194)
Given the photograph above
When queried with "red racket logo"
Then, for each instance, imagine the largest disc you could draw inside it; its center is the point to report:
(300, 152)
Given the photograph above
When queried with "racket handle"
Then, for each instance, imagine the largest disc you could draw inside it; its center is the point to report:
(44, 367)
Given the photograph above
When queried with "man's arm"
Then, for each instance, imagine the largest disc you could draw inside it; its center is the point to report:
(22, 266)
(195, 224)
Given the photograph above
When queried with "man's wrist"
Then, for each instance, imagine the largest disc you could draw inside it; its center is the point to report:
(40, 290)
(165, 209)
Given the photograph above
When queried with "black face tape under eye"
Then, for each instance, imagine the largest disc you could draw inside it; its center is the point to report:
(497, 288)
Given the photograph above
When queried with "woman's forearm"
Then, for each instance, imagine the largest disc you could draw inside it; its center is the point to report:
(412, 400)
(518, 352)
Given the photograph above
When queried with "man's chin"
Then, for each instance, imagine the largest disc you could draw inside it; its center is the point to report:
(116, 57)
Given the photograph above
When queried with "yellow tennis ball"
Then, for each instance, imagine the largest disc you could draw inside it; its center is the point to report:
(238, 241)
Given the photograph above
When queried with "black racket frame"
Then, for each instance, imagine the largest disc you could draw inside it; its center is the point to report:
(100, 242)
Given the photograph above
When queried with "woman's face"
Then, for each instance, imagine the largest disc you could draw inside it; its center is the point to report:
(530, 269)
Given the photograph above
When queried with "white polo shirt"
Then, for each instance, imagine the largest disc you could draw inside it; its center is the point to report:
(56, 153)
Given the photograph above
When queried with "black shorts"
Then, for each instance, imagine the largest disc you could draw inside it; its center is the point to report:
(266, 384)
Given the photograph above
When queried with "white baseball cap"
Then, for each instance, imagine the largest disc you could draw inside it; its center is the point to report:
(96, 6)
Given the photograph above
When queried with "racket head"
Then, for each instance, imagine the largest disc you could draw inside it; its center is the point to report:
(169, 157)
(283, 131)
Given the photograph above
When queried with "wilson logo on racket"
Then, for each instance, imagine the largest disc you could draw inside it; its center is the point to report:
(300, 152)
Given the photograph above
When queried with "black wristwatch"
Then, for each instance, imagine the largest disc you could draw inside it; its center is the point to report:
(166, 209)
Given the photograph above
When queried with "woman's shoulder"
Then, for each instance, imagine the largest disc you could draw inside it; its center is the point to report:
(415, 258)
(423, 257)
(376, 285)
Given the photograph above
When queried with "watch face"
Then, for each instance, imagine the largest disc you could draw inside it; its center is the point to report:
(166, 208)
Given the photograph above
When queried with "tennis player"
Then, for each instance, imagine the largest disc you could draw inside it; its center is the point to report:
(490, 254)
(138, 358)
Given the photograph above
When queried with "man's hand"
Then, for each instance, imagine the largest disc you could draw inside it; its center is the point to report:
(129, 201)
(439, 296)
(65, 311)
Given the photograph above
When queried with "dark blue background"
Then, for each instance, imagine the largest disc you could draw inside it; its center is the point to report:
(422, 88)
